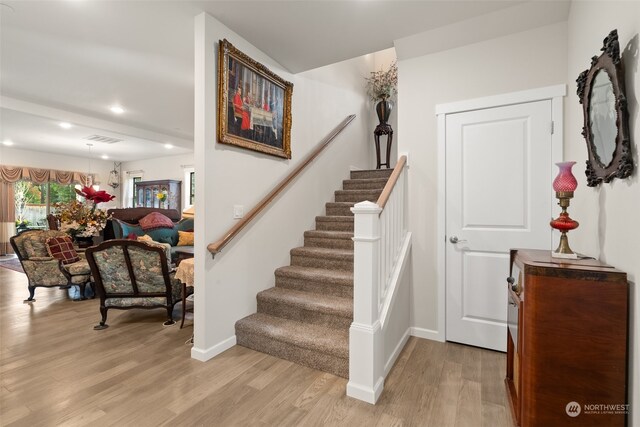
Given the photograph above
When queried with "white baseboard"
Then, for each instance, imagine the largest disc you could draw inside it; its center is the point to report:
(205, 354)
(396, 352)
(365, 394)
(428, 334)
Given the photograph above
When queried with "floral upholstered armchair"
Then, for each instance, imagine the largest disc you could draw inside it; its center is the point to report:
(133, 274)
(44, 270)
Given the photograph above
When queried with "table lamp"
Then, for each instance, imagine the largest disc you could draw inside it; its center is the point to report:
(564, 186)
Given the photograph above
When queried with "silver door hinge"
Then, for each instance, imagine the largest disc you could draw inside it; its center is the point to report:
(552, 127)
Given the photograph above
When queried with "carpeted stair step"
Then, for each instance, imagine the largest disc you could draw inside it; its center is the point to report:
(328, 239)
(315, 280)
(339, 208)
(335, 223)
(371, 174)
(356, 196)
(364, 184)
(337, 259)
(317, 347)
(323, 310)
(305, 318)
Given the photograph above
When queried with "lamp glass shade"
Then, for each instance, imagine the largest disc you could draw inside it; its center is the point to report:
(565, 181)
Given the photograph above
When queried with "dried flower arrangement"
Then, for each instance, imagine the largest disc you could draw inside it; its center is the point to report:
(382, 85)
(82, 219)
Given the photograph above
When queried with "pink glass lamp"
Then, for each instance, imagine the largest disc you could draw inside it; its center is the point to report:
(564, 186)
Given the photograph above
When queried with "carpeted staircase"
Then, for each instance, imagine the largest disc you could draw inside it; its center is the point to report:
(305, 318)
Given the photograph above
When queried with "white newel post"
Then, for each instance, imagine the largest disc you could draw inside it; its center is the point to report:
(365, 339)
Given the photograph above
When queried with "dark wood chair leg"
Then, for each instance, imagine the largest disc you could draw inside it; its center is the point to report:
(32, 290)
(184, 303)
(103, 322)
(170, 320)
(82, 289)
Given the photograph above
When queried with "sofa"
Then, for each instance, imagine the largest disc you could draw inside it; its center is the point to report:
(123, 229)
(133, 216)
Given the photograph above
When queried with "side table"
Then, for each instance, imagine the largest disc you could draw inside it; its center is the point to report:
(383, 129)
(183, 253)
(184, 273)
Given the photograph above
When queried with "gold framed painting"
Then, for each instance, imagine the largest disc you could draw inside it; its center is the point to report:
(254, 104)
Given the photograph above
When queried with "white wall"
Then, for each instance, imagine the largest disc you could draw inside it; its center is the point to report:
(609, 214)
(521, 61)
(36, 159)
(167, 167)
(226, 287)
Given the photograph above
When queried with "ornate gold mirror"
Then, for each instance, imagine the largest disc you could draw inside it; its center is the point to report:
(606, 120)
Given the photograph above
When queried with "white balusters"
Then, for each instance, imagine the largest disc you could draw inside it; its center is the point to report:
(392, 230)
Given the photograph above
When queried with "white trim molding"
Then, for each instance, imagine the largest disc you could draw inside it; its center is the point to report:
(531, 95)
(205, 354)
(369, 395)
(365, 350)
(428, 334)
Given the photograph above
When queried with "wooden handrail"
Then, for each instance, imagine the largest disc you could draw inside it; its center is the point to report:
(388, 188)
(217, 246)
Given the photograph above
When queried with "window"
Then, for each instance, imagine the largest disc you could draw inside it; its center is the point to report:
(134, 190)
(192, 187)
(33, 202)
(188, 186)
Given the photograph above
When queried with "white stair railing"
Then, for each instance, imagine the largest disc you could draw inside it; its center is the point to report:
(381, 243)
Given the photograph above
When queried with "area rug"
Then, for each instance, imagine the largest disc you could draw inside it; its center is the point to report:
(11, 264)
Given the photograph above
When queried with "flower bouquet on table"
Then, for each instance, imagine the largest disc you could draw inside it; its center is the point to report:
(82, 218)
(162, 197)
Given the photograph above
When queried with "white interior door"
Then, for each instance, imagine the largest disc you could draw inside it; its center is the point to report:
(498, 196)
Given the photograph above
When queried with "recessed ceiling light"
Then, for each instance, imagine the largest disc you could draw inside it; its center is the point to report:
(116, 109)
(168, 146)
(65, 125)
(104, 156)
(7, 142)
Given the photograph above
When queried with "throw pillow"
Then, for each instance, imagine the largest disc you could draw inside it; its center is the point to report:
(164, 235)
(185, 224)
(185, 238)
(61, 248)
(132, 236)
(122, 229)
(155, 220)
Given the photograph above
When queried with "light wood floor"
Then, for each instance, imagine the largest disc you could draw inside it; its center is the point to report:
(56, 370)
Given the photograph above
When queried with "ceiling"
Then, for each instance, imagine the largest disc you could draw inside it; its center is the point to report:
(71, 60)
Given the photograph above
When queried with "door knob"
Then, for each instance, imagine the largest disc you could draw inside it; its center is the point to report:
(454, 239)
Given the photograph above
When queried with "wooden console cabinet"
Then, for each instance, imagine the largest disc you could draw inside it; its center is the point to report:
(147, 191)
(566, 341)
